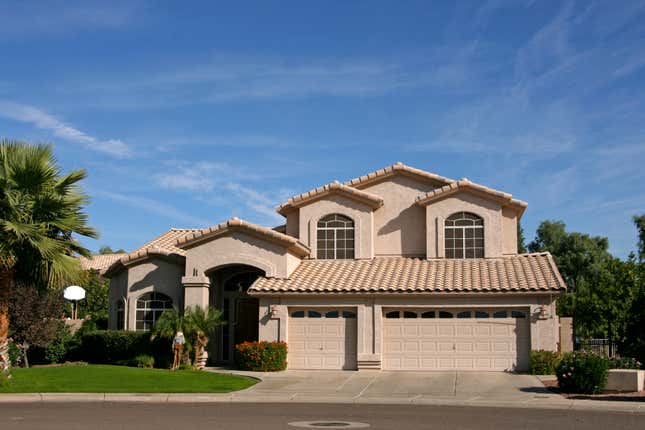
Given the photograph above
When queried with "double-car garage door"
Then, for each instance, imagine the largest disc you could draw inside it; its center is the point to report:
(413, 339)
(461, 339)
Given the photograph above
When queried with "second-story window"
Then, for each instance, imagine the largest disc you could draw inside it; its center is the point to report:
(464, 236)
(335, 237)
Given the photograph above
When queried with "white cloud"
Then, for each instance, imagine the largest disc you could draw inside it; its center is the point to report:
(255, 200)
(45, 121)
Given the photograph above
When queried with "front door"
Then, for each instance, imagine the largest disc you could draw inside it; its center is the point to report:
(246, 327)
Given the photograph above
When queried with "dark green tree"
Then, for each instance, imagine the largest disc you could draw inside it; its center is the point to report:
(639, 220)
(521, 241)
(106, 249)
(97, 303)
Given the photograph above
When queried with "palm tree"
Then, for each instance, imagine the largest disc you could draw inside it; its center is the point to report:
(40, 211)
(202, 324)
(197, 324)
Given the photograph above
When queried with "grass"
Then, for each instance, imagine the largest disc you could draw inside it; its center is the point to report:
(120, 379)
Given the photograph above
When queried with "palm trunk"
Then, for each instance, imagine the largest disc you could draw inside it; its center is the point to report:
(5, 294)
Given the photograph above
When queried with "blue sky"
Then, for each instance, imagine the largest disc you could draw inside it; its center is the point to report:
(187, 115)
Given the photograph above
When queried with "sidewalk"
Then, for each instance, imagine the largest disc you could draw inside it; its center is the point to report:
(476, 389)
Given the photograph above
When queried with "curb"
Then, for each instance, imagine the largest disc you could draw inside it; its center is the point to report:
(160, 398)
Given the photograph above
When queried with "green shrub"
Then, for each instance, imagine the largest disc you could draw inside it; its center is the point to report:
(582, 372)
(57, 351)
(15, 354)
(144, 361)
(261, 356)
(118, 347)
(186, 366)
(624, 363)
(544, 362)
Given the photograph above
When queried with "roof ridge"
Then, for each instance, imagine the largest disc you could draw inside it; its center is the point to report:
(393, 169)
(335, 186)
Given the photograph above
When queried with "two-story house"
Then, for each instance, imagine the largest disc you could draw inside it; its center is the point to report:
(397, 269)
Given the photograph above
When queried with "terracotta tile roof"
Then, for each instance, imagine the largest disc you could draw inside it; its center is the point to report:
(464, 184)
(99, 262)
(168, 240)
(292, 244)
(398, 168)
(370, 199)
(516, 273)
(163, 245)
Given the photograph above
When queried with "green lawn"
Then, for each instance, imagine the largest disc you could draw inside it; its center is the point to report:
(121, 379)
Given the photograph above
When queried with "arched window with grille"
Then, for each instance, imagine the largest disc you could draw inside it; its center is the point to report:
(150, 306)
(464, 236)
(335, 237)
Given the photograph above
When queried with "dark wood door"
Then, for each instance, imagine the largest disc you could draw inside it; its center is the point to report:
(246, 329)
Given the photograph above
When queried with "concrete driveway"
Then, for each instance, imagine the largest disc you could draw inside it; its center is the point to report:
(397, 387)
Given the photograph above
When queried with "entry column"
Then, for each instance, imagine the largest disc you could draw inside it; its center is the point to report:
(196, 291)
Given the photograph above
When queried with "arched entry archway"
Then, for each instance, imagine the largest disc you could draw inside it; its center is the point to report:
(229, 293)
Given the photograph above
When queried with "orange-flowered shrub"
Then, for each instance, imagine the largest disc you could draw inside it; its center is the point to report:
(261, 356)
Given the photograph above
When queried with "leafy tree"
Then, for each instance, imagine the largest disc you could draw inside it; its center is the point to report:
(35, 318)
(521, 241)
(40, 212)
(97, 302)
(108, 250)
(640, 226)
(197, 324)
(577, 255)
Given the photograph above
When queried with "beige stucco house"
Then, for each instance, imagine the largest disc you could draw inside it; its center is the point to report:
(400, 269)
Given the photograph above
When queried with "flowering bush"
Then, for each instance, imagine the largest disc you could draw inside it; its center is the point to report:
(261, 356)
(544, 362)
(625, 363)
(582, 372)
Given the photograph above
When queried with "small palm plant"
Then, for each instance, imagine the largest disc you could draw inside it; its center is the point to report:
(197, 324)
(201, 324)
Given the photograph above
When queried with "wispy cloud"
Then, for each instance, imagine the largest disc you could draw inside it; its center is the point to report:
(153, 206)
(32, 19)
(255, 200)
(45, 121)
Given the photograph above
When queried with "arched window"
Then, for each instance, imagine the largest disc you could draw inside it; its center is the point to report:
(464, 233)
(150, 306)
(335, 237)
(120, 314)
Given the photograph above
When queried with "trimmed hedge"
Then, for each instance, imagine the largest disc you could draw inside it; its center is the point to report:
(261, 356)
(544, 362)
(582, 372)
(624, 363)
(116, 346)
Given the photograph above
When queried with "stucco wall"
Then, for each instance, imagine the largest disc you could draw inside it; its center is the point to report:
(239, 248)
(509, 230)
(437, 212)
(118, 291)
(370, 312)
(154, 274)
(337, 204)
(399, 225)
(293, 224)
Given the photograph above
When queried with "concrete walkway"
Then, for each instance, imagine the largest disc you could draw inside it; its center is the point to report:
(492, 389)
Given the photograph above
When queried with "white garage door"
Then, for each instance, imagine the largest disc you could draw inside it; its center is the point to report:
(322, 338)
(464, 339)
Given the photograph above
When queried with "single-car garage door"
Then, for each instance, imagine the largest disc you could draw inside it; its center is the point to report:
(463, 339)
(322, 338)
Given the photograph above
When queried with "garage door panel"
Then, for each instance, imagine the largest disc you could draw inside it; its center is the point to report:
(456, 343)
(321, 343)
